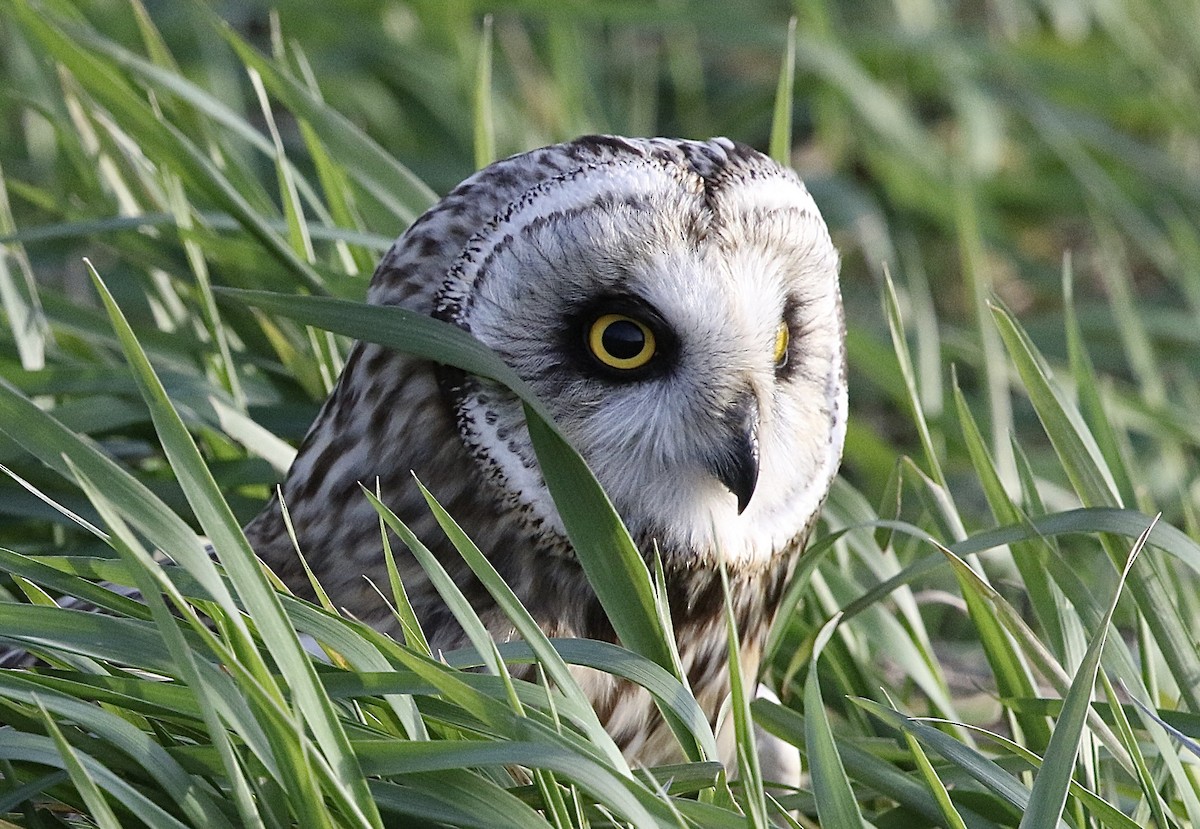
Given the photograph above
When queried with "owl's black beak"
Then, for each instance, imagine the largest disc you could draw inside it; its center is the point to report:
(737, 465)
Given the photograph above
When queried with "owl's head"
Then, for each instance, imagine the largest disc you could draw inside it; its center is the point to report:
(676, 306)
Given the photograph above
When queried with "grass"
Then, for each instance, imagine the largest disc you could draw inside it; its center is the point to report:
(991, 628)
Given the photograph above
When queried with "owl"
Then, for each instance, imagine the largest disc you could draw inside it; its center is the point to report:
(676, 306)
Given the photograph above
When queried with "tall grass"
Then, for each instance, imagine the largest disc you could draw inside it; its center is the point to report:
(990, 627)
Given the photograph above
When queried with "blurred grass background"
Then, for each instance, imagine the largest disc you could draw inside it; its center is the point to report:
(1041, 157)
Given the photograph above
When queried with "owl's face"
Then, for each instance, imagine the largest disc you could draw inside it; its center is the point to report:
(686, 333)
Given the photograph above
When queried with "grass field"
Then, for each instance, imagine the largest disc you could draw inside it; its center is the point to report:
(1015, 190)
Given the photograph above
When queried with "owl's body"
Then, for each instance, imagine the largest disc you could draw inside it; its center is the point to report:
(675, 305)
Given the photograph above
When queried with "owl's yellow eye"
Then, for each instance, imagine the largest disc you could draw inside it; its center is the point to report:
(621, 342)
(782, 338)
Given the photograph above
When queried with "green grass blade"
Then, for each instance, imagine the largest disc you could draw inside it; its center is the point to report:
(454, 797)
(526, 626)
(749, 772)
(912, 399)
(1124, 730)
(949, 814)
(624, 795)
(199, 801)
(1073, 441)
(485, 128)
(996, 779)
(1090, 403)
(1029, 556)
(464, 613)
(1049, 794)
(293, 210)
(781, 119)
(261, 601)
(150, 580)
(410, 625)
(1084, 465)
(98, 807)
(612, 659)
(1106, 812)
(372, 168)
(836, 805)
(162, 140)
(19, 292)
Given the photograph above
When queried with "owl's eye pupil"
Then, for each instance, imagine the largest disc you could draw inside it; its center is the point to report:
(621, 342)
(623, 339)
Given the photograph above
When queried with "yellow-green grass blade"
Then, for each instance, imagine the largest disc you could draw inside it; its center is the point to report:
(160, 55)
(355, 257)
(19, 292)
(63, 231)
(26, 567)
(293, 210)
(542, 649)
(236, 699)
(666, 689)
(378, 172)
(50, 441)
(200, 104)
(177, 200)
(365, 649)
(410, 625)
(452, 595)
